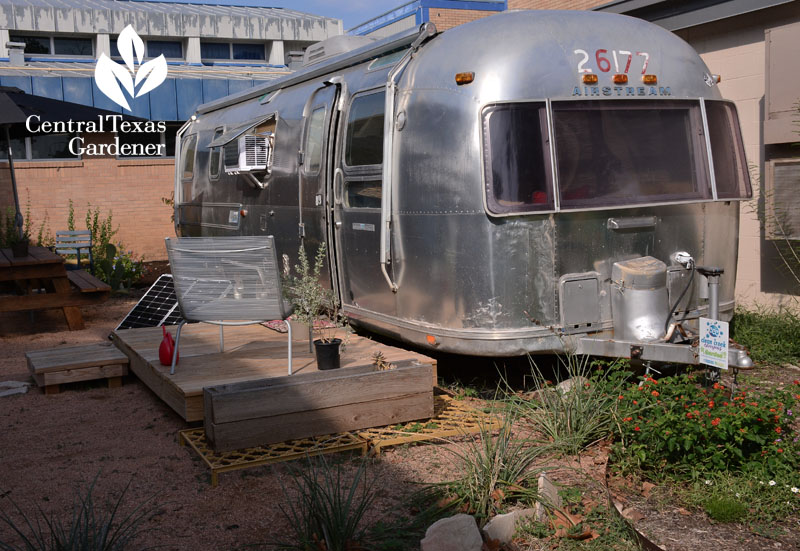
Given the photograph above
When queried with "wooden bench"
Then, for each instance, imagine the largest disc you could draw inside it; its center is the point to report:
(52, 367)
(267, 411)
(86, 282)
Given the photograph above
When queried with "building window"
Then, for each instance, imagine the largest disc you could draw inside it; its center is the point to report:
(169, 48)
(55, 45)
(38, 147)
(236, 51)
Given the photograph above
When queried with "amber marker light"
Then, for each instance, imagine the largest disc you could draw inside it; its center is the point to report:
(650, 80)
(431, 340)
(620, 79)
(464, 78)
(590, 78)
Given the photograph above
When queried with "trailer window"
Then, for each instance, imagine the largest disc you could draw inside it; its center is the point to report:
(363, 194)
(213, 162)
(313, 145)
(364, 140)
(727, 151)
(188, 148)
(629, 152)
(517, 163)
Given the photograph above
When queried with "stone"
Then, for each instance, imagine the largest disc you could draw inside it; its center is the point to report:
(566, 386)
(502, 527)
(9, 388)
(548, 498)
(456, 533)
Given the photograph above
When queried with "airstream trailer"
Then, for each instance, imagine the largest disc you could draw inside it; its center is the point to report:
(530, 182)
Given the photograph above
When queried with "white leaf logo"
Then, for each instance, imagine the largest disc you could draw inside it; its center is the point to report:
(111, 77)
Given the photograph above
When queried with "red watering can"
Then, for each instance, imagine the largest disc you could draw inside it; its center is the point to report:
(166, 348)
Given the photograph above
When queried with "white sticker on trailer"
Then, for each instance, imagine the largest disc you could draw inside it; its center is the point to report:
(714, 343)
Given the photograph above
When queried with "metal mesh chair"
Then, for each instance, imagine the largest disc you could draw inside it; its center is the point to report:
(227, 281)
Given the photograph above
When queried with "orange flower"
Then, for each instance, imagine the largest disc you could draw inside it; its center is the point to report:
(715, 422)
(778, 430)
(711, 404)
(654, 393)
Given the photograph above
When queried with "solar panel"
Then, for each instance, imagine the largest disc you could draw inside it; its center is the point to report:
(158, 306)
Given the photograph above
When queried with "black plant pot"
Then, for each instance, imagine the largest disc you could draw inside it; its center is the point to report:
(20, 249)
(327, 353)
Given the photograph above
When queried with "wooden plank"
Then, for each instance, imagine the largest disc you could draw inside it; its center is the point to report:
(74, 357)
(4, 261)
(31, 271)
(86, 282)
(84, 374)
(255, 432)
(36, 255)
(49, 300)
(319, 390)
(72, 314)
(169, 393)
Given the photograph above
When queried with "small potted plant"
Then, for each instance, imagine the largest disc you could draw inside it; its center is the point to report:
(317, 307)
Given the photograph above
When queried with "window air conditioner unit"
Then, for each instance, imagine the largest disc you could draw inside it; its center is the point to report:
(249, 153)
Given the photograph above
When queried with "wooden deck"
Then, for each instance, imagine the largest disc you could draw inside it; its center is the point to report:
(252, 352)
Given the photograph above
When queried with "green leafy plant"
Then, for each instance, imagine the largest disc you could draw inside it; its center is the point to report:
(575, 418)
(496, 471)
(770, 335)
(725, 509)
(326, 511)
(674, 426)
(111, 527)
(119, 269)
(314, 305)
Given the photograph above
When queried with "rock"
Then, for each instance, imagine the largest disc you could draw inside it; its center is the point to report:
(566, 386)
(502, 527)
(548, 494)
(456, 533)
(8, 388)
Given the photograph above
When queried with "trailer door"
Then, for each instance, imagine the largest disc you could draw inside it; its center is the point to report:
(316, 155)
(357, 205)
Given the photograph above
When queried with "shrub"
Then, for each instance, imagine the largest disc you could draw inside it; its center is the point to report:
(675, 426)
(771, 336)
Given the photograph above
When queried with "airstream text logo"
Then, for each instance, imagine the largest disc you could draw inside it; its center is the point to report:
(111, 77)
(621, 91)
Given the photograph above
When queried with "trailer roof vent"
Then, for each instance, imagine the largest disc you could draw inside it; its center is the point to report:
(333, 46)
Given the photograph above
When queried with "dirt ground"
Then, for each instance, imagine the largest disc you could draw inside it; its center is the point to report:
(52, 444)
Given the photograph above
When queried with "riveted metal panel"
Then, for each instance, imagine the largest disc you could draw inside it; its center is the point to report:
(44, 18)
(49, 87)
(65, 20)
(163, 101)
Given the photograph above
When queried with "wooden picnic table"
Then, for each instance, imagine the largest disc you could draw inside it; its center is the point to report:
(40, 280)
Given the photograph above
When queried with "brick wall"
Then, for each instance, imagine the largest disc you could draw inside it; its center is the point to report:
(130, 189)
(448, 18)
(554, 4)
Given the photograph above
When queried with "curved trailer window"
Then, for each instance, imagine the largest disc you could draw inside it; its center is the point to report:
(630, 152)
(610, 153)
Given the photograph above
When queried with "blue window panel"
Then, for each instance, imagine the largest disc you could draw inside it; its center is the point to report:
(215, 50)
(239, 85)
(78, 90)
(103, 102)
(170, 49)
(163, 102)
(249, 51)
(23, 83)
(214, 89)
(49, 87)
(140, 107)
(189, 92)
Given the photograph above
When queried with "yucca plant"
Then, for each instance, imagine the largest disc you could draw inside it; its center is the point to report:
(87, 528)
(574, 419)
(327, 510)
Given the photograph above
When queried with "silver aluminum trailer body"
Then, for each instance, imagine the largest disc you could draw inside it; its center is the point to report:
(519, 211)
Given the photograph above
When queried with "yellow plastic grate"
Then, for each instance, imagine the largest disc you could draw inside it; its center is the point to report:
(220, 462)
(450, 418)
